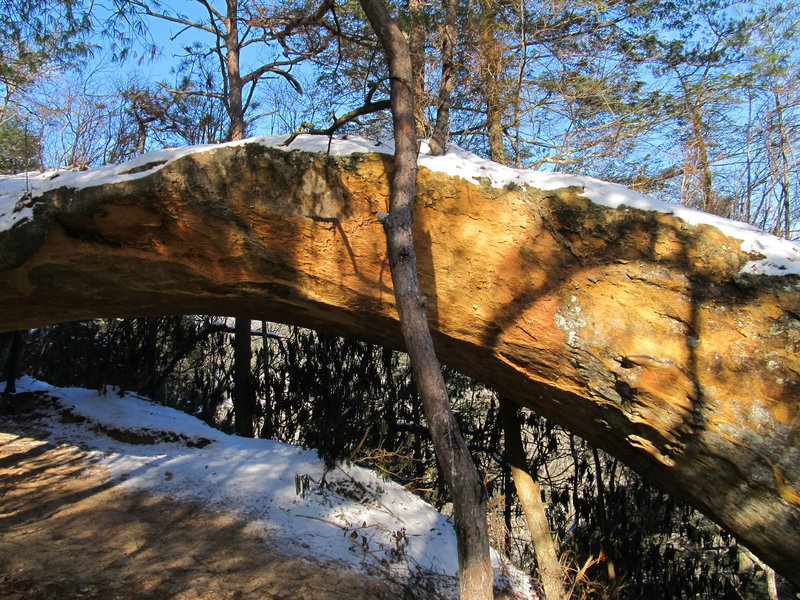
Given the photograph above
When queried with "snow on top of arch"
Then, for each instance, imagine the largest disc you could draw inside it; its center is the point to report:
(780, 257)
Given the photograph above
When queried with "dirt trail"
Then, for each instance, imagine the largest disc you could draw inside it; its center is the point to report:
(68, 532)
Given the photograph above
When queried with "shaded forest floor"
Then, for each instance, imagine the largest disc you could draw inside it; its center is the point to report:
(67, 532)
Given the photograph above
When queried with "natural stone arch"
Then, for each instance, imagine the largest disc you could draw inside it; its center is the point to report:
(631, 328)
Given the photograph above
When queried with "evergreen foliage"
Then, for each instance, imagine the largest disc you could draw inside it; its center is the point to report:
(19, 149)
(35, 34)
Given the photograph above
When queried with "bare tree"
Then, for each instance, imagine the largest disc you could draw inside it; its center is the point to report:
(231, 31)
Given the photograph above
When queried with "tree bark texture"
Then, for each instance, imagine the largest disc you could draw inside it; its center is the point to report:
(494, 122)
(491, 60)
(416, 43)
(465, 485)
(441, 129)
(232, 74)
(244, 399)
(639, 331)
(530, 499)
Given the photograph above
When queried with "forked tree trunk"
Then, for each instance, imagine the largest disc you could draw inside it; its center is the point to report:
(530, 499)
(466, 487)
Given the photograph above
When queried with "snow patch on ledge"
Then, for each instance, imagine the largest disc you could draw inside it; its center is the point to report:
(780, 257)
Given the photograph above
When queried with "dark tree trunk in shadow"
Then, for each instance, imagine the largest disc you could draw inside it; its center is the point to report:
(466, 487)
(14, 360)
(606, 549)
(244, 400)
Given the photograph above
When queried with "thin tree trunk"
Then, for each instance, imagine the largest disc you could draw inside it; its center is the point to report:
(521, 70)
(243, 393)
(772, 582)
(461, 476)
(748, 215)
(492, 64)
(699, 142)
(783, 142)
(14, 360)
(494, 121)
(416, 42)
(611, 570)
(769, 574)
(508, 507)
(235, 104)
(530, 499)
(441, 130)
(267, 430)
(706, 177)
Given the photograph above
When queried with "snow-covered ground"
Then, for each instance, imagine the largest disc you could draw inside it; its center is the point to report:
(780, 257)
(348, 515)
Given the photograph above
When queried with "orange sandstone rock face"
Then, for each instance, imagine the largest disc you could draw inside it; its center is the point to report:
(632, 328)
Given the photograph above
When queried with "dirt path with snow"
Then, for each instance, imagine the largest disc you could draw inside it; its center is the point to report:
(68, 532)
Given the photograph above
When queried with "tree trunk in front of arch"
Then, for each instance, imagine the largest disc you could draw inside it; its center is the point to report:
(463, 480)
(530, 499)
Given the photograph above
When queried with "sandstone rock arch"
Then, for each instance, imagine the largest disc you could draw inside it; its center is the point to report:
(635, 329)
